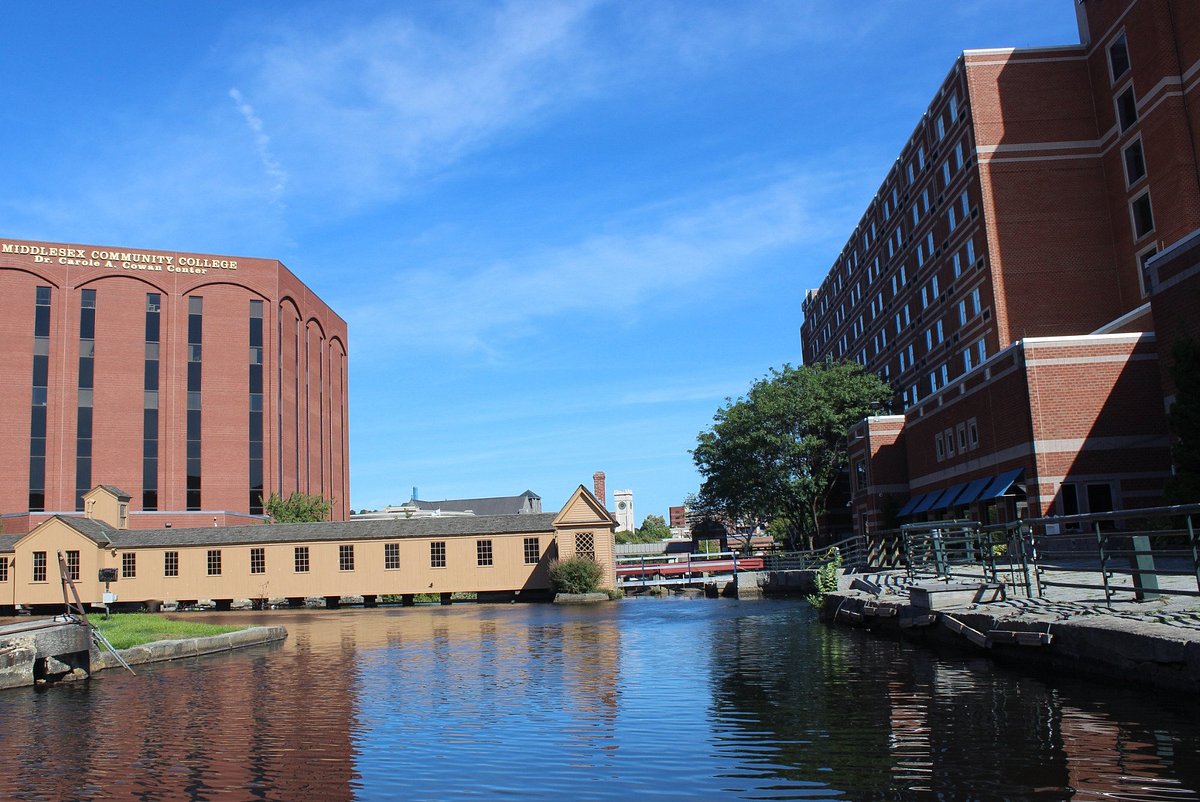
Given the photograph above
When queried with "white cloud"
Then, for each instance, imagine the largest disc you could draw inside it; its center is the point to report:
(262, 144)
(486, 309)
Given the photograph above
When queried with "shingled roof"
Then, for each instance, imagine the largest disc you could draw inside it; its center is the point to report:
(495, 505)
(379, 529)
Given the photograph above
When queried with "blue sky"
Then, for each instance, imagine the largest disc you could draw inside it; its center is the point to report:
(562, 233)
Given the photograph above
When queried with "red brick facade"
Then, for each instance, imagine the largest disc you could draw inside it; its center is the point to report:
(1022, 214)
(304, 421)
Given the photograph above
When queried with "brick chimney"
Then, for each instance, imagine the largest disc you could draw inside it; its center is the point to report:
(598, 485)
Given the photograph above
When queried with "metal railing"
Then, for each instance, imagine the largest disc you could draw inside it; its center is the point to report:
(1139, 554)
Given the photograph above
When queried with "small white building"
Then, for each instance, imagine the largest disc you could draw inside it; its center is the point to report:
(623, 510)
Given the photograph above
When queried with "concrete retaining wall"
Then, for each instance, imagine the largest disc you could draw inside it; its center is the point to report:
(163, 650)
(1107, 647)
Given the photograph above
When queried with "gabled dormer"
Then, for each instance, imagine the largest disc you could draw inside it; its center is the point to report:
(108, 504)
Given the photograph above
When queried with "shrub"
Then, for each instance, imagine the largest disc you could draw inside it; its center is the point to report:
(575, 575)
(826, 576)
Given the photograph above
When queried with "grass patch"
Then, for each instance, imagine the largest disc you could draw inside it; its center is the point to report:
(124, 630)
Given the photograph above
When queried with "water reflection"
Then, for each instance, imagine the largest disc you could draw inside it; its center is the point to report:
(672, 699)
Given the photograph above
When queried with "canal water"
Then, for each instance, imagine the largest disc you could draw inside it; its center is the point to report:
(668, 699)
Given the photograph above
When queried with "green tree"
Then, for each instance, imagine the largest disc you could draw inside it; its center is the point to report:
(777, 452)
(1184, 418)
(297, 508)
(653, 529)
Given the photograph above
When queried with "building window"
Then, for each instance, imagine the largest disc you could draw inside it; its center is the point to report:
(1143, 216)
(1135, 163)
(150, 403)
(973, 433)
(73, 565)
(585, 545)
(195, 337)
(1118, 57)
(128, 565)
(483, 552)
(391, 556)
(437, 554)
(258, 561)
(39, 566)
(301, 559)
(939, 446)
(3, 569)
(981, 347)
(949, 442)
(41, 381)
(961, 431)
(533, 551)
(87, 375)
(256, 407)
(170, 563)
(1100, 498)
(1068, 499)
(1127, 113)
(860, 475)
(214, 562)
(345, 557)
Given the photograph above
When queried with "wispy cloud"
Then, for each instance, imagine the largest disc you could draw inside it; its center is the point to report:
(262, 144)
(485, 309)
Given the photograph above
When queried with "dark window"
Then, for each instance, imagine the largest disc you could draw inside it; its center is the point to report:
(73, 565)
(437, 554)
(214, 562)
(170, 563)
(345, 558)
(40, 393)
(258, 561)
(1069, 496)
(87, 361)
(1099, 498)
(194, 375)
(533, 550)
(301, 559)
(39, 566)
(1135, 163)
(128, 565)
(391, 555)
(483, 552)
(256, 408)
(860, 475)
(1118, 57)
(1143, 217)
(3, 569)
(1127, 113)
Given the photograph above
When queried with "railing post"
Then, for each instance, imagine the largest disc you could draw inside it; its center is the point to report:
(1101, 542)
(907, 546)
(1141, 559)
(1195, 549)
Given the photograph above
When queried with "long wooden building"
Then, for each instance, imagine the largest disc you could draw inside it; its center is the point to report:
(499, 554)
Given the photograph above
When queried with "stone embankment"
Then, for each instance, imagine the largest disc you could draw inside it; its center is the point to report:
(61, 650)
(163, 650)
(1152, 644)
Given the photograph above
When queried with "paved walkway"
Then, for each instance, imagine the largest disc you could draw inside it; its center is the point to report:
(1063, 602)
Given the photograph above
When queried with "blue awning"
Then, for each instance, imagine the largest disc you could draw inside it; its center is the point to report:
(946, 497)
(1000, 485)
(972, 491)
(926, 502)
(908, 505)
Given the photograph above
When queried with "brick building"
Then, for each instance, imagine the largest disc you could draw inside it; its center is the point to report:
(1021, 219)
(199, 383)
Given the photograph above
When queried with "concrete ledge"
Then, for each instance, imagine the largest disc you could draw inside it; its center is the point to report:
(580, 598)
(1099, 646)
(164, 650)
